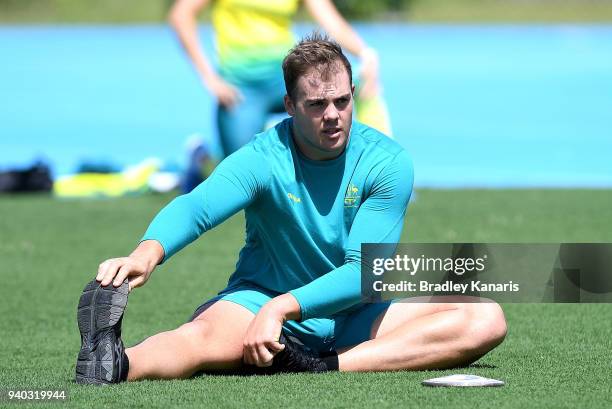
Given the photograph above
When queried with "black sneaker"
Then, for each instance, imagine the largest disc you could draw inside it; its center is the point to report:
(102, 358)
(296, 357)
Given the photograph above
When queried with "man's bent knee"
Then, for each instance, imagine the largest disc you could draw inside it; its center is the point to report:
(196, 331)
(485, 327)
(209, 348)
(216, 335)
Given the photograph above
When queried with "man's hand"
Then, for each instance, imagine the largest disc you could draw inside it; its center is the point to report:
(226, 94)
(116, 270)
(137, 268)
(261, 339)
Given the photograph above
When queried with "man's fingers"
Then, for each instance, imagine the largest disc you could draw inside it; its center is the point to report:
(258, 355)
(136, 282)
(275, 347)
(264, 356)
(100, 273)
(110, 270)
(122, 274)
(116, 270)
(102, 268)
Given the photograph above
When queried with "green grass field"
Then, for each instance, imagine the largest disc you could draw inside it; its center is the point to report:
(554, 356)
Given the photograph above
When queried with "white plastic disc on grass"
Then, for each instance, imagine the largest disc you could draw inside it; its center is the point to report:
(462, 381)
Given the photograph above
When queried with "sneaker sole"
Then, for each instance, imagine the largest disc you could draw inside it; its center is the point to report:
(99, 308)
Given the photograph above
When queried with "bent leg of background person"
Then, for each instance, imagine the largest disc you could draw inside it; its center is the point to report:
(414, 336)
(237, 125)
(206, 343)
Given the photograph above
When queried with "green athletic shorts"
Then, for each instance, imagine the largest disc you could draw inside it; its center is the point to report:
(347, 328)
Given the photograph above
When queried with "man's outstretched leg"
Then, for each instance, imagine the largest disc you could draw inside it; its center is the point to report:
(413, 336)
(206, 343)
(211, 342)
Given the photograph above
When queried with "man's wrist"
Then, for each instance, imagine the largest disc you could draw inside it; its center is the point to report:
(149, 252)
(285, 307)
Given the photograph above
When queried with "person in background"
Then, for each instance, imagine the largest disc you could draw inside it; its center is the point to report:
(252, 38)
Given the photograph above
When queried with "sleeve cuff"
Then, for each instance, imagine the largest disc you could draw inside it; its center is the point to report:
(304, 315)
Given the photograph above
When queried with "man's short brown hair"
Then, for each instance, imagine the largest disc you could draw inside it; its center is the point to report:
(313, 51)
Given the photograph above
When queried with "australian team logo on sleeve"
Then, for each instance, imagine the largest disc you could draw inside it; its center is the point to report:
(294, 198)
(351, 197)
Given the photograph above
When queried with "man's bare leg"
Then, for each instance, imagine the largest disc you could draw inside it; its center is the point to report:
(214, 340)
(413, 336)
(407, 336)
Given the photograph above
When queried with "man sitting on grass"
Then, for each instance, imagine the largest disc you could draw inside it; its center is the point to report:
(313, 189)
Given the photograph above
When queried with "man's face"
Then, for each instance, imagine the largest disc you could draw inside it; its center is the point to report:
(322, 111)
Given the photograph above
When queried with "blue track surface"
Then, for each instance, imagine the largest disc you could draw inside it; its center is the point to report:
(477, 106)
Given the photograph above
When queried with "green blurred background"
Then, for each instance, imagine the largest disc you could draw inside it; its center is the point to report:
(153, 11)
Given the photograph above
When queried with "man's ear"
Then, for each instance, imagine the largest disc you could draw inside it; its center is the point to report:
(353, 89)
(289, 107)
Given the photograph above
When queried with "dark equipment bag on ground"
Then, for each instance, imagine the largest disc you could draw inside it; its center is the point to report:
(37, 178)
